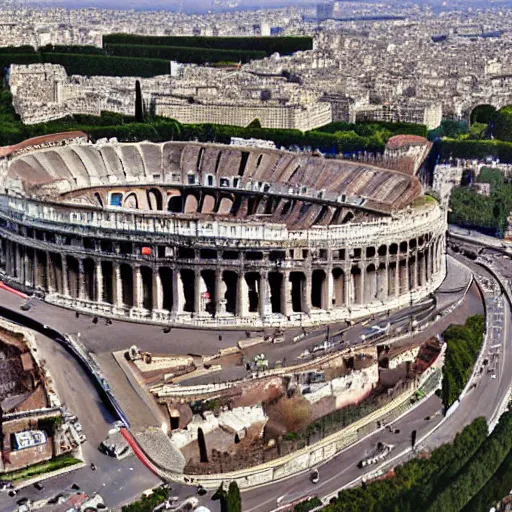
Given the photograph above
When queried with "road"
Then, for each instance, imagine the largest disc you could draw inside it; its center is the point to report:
(120, 482)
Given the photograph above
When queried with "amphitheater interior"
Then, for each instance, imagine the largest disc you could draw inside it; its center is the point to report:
(216, 236)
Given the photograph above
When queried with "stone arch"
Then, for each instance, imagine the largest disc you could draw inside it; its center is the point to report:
(89, 274)
(225, 205)
(318, 286)
(191, 204)
(131, 201)
(481, 113)
(154, 198)
(175, 204)
(208, 203)
(73, 276)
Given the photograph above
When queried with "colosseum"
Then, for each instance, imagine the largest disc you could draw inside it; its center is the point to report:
(212, 235)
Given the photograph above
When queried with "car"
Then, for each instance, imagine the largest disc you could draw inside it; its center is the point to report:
(315, 476)
(39, 486)
(75, 487)
(5, 485)
(493, 376)
(22, 501)
(201, 491)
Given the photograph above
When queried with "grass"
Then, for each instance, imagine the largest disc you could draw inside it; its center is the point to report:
(61, 462)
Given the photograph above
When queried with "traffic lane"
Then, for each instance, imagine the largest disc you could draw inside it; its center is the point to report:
(342, 469)
(76, 390)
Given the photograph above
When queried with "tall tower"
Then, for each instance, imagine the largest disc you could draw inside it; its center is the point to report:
(324, 10)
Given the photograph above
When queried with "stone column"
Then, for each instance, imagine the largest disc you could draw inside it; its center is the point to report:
(19, 266)
(347, 285)
(65, 283)
(81, 280)
(35, 271)
(137, 288)
(242, 299)
(178, 295)
(286, 295)
(27, 277)
(329, 289)
(265, 298)
(220, 301)
(98, 274)
(197, 292)
(308, 288)
(117, 285)
(49, 274)
(414, 284)
(158, 292)
(397, 277)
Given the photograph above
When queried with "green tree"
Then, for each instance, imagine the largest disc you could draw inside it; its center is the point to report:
(234, 500)
(139, 107)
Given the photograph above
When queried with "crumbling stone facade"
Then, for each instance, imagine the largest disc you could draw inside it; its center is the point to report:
(211, 235)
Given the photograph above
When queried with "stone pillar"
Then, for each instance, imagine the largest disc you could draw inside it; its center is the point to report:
(308, 288)
(98, 274)
(137, 288)
(81, 280)
(65, 282)
(117, 286)
(414, 284)
(197, 292)
(27, 277)
(158, 292)
(347, 286)
(220, 291)
(265, 298)
(19, 266)
(286, 295)
(35, 271)
(242, 298)
(397, 277)
(49, 273)
(178, 294)
(329, 289)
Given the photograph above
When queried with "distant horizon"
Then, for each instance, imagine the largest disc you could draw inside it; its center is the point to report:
(192, 6)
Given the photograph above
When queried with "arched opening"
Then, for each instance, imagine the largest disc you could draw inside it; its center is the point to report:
(166, 280)
(356, 285)
(108, 288)
(189, 287)
(73, 276)
(230, 280)
(154, 197)
(370, 292)
(89, 275)
(175, 204)
(318, 289)
(253, 284)
(127, 285)
(147, 287)
(208, 204)
(98, 198)
(339, 287)
(131, 201)
(201, 441)
(298, 281)
(482, 114)
(275, 280)
(191, 204)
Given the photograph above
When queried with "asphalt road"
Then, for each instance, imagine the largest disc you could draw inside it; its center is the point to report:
(342, 469)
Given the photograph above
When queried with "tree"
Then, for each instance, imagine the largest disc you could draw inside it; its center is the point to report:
(234, 500)
(221, 495)
(139, 108)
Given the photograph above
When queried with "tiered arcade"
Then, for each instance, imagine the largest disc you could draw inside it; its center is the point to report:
(212, 235)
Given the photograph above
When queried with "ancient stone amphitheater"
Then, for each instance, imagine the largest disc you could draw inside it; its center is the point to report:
(212, 235)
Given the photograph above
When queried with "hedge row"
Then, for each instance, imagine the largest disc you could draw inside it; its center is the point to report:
(183, 54)
(269, 45)
(478, 149)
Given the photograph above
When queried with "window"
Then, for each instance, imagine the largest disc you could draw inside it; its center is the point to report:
(209, 180)
(116, 199)
(224, 182)
(191, 178)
